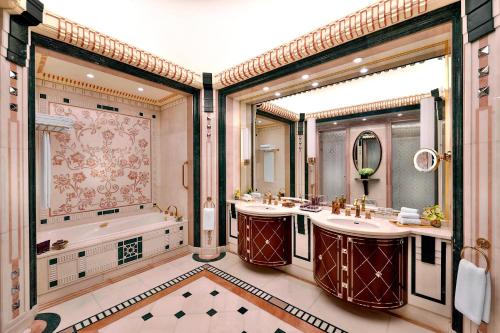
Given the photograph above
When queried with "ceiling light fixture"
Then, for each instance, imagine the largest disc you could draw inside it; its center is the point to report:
(277, 94)
(357, 60)
(363, 70)
(335, 123)
(305, 76)
(364, 119)
(315, 84)
(140, 89)
(90, 75)
(400, 114)
(265, 88)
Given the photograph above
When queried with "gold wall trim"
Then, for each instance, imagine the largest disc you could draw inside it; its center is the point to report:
(374, 106)
(70, 32)
(375, 17)
(278, 111)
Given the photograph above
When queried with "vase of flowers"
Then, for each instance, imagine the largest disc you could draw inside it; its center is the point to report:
(434, 215)
(365, 173)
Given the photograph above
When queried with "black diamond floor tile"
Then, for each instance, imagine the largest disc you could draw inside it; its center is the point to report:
(180, 314)
(211, 312)
(186, 294)
(242, 310)
(279, 330)
(147, 316)
(214, 293)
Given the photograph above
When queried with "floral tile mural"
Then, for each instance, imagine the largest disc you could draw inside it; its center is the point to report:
(103, 162)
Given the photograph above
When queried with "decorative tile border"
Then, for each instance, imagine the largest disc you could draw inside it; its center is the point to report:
(278, 111)
(375, 17)
(296, 312)
(70, 32)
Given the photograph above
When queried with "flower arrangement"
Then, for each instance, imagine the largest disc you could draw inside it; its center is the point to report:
(366, 172)
(434, 215)
(237, 194)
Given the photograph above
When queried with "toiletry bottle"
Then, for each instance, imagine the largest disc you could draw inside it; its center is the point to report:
(358, 210)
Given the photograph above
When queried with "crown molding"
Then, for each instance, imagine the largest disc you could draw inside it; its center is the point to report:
(62, 29)
(278, 111)
(375, 17)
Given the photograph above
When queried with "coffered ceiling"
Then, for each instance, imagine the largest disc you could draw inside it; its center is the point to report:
(205, 35)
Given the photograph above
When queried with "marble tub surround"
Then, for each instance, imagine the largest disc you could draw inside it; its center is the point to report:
(196, 299)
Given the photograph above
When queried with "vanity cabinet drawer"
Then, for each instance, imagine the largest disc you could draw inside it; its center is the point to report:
(366, 271)
(264, 241)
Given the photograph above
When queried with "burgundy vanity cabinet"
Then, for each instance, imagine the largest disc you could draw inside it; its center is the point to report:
(365, 271)
(265, 241)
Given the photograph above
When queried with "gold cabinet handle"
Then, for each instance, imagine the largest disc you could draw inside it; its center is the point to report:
(184, 174)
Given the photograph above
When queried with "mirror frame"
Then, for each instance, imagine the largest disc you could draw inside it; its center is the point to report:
(354, 160)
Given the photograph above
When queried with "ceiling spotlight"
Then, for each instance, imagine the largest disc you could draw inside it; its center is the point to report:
(315, 84)
(259, 121)
(305, 76)
(90, 75)
(364, 119)
(400, 114)
(140, 89)
(363, 70)
(277, 94)
(265, 88)
(357, 60)
(335, 123)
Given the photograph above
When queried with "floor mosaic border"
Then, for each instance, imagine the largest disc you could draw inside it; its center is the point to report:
(292, 310)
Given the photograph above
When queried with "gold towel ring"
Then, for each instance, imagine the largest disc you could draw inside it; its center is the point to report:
(209, 203)
(481, 244)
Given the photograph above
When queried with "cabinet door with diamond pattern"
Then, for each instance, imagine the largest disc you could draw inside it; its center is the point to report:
(270, 240)
(327, 260)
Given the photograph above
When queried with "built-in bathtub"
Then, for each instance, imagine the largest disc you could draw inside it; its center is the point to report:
(94, 249)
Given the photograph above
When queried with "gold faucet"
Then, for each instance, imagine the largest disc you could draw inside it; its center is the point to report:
(357, 206)
(363, 203)
(161, 210)
(171, 213)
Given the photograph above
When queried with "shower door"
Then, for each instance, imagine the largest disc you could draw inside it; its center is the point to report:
(410, 188)
(332, 169)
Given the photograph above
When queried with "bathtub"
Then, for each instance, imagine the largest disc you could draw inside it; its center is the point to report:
(97, 248)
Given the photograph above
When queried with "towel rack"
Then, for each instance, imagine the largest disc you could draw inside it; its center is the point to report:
(481, 244)
(209, 203)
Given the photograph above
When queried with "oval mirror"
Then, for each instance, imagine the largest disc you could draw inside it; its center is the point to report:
(426, 160)
(367, 151)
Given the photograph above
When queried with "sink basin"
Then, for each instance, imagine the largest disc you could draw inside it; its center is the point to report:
(353, 223)
(260, 207)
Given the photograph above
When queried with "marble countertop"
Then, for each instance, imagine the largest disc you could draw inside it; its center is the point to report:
(376, 227)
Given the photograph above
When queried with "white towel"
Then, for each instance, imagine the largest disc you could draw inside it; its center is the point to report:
(409, 210)
(53, 120)
(46, 170)
(269, 167)
(208, 218)
(487, 300)
(470, 293)
(409, 215)
(404, 220)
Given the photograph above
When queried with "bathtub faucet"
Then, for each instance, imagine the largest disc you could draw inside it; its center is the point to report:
(173, 212)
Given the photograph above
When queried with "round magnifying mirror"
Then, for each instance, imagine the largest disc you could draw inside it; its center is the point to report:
(367, 151)
(426, 160)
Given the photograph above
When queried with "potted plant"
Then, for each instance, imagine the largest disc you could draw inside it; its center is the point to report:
(434, 215)
(366, 172)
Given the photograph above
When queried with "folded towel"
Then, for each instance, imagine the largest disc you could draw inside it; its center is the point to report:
(470, 291)
(53, 120)
(409, 210)
(208, 218)
(403, 220)
(487, 299)
(409, 215)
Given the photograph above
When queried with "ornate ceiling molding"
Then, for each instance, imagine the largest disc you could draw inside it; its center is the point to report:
(103, 90)
(374, 106)
(62, 29)
(278, 111)
(375, 17)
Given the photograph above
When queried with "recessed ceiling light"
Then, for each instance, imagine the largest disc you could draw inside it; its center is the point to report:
(90, 75)
(140, 89)
(265, 88)
(315, 84)
(400, 114)
(305, 76)
(277, 94)
(364, 119)
(335, 123)
(363, 70)
(259, 121)
(357, 60)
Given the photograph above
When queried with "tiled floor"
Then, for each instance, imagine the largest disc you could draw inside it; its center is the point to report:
(303, 295)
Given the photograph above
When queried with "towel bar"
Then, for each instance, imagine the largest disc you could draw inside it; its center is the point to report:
(481, 244)
(209, 203)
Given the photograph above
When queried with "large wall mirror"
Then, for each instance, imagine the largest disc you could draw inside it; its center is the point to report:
(367, 151)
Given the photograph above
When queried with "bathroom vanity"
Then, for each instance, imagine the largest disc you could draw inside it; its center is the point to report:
(264, 235)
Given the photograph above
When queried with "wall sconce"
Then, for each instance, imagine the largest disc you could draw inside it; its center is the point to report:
(311, 141)
(245, 145)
